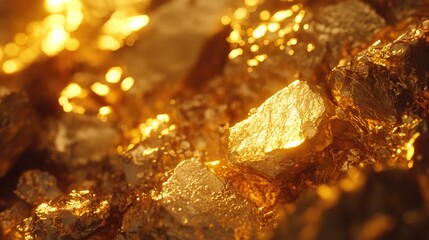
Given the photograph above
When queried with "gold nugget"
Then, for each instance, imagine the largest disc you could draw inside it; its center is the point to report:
(283, 122)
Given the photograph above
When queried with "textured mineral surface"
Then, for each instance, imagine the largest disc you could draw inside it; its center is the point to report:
(36, 187)
(197, 197)
(161, 147)
(17, 127)
(73, 216)
(381, 83)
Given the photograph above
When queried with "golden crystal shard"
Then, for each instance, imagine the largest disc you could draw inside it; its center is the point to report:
(283, 122)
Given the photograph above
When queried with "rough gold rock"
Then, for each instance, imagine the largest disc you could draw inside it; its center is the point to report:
(36, 187)
(196, 197)
(74, 216)
(282, 123)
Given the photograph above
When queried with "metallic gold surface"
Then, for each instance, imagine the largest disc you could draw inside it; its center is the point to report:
(282, 122)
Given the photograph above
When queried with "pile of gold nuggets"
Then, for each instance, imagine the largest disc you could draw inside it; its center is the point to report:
(226, 119)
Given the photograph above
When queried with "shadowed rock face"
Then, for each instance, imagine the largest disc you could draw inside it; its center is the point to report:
(35, 187)
(383, 205)
(17, 127)
(169, 50)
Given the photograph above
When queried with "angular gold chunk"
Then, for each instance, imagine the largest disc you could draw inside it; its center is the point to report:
(196, 197)
(284, 121)
(73, 216)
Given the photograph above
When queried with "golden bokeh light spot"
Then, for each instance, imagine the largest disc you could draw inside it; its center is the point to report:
(53, 21)
(55, 41)
(105, 110)
(68, 107)
(264, 15)
(252, 62)
(127, 83)
(225, 20)
(79, 109)
(11, 49)
(251, 3)
(273, 27)
(21, 38)
(310, 47)
(163, 118)
(234, 36)
(254, 48)
(73, 20)
(72, 90)
(107, 42)
(296, 27)
(326, 193)
(11, 66)
(114, 75)
(55, 6)
(282, 15)
(63, 100)
(279, 41)
(249, 32)
(292, 41)
(240, 13)
(72, 44)
(296, 7)
(112, 26)
(300, 16)
(235, 53)
(137, 22)
(236, 26)
(261, 58)
(100, 89)
(260, 31)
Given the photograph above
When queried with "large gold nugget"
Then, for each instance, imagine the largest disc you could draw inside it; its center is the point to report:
(282, 123)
